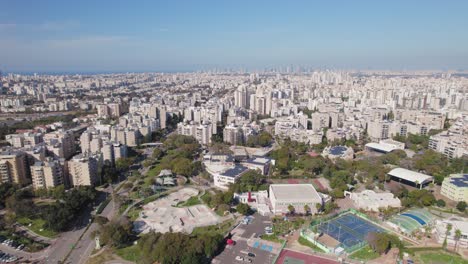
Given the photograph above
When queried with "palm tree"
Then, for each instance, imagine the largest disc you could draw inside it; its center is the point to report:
(458, 235)
(447, 232)
(291, 209)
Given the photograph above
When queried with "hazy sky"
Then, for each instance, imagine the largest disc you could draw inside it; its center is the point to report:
(98, 35)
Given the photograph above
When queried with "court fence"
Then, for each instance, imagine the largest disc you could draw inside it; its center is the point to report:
(311, 232)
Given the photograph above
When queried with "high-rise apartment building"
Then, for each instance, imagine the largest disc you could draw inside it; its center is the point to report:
(46, 174)
(14, 167)
(83, 170)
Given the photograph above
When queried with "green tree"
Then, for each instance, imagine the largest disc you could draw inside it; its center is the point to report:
(251, 180)
(307, 209)
(117, 233)
(318, 206)
(182, 166)
(448, 229)
(243, 208)
(291, 209)
(379, 242)
(157, 153)
(458, 235)
(123, 164)
(329, 207)
(440, 203)
(461, 206)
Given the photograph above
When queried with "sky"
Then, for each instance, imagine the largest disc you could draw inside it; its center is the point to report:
(121, 36)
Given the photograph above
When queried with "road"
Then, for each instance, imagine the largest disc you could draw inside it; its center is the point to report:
(59, 250)
(86, 244)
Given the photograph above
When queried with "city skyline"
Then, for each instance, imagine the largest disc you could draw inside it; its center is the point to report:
(52, 36)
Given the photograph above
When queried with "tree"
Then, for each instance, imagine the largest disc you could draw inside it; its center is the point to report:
(447, 233)
(329, 207)
(461, 206)
(291, 209)
(223, 208)
(318, 206)
(123, 164)
(440, 203)
(117, 233)
(379, 242)
(6, 190)
(157, 153)
(243, 208)
(182, 166)
(252, 180)
(101, 220)
(458, 235)
(307, 209)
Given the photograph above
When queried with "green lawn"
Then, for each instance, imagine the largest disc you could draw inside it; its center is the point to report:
(307, 243)
(440, 257)
(131, 253)
(190, 202)
(272, 238)
(153, 172)
(222, 228)
(134, 213)
(37, 226)
(365, 254)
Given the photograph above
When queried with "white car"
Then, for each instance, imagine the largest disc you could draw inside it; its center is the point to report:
(239, 258)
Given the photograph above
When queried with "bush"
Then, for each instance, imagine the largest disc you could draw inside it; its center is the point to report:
(440, 203)
(243, 209)
(461, 206)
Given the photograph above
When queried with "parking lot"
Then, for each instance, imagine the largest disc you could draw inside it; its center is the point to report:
(247, 240)
(12, 245)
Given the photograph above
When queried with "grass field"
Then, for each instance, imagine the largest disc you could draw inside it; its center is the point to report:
(131, 253)
(37, 226)
(439, 257)
(271, 238)
(307, 243)
(190, 202)
(105, 255)
(154, 171)
(364, 254)
(134, 213)
(222, 228)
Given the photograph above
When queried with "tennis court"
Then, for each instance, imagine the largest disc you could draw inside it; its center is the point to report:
(349, 229)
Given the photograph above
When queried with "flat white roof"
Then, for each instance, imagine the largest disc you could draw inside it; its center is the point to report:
(295, 192)
(411, 176)
(381, 147)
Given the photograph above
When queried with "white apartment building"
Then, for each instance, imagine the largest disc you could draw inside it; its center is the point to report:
(201, 132)
(455, 187)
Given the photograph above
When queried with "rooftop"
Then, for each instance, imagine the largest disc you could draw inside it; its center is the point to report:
(411, 176)
(381, 147)
(459, 180)
(296, 192)
(338, 150)
(235, 171)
